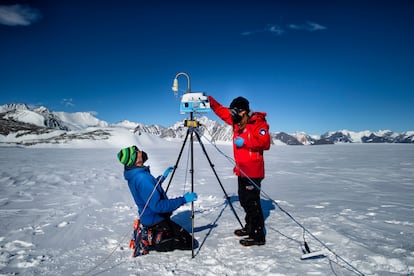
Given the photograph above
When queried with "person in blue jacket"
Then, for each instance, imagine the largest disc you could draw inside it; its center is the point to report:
(154, 207)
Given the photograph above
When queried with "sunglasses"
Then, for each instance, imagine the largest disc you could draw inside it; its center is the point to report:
(236, 110)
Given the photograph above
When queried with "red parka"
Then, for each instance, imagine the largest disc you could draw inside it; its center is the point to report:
(249, 157)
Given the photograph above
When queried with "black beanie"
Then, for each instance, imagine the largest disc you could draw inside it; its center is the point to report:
(240, 103)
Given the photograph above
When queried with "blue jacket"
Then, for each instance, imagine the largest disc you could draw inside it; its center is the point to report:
(141, 184)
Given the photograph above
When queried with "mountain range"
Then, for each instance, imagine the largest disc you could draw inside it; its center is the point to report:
(23, 125)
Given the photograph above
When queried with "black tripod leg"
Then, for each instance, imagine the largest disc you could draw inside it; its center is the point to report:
(178, 160)
(192, 186)
(218, 179)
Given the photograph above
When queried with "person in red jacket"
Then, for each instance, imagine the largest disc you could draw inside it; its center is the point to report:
(250, 138)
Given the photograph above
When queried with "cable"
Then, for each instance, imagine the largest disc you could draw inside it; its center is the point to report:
(149, 198)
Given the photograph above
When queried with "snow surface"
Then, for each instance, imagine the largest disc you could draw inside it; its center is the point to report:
(68, 211)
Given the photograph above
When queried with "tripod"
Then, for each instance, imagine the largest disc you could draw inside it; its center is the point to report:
(192, 125)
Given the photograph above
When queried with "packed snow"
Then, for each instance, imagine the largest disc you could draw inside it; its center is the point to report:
(66, 210)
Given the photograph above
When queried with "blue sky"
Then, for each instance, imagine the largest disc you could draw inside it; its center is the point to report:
(313, 66)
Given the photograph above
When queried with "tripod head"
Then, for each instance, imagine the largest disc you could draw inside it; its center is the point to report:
(191, 123)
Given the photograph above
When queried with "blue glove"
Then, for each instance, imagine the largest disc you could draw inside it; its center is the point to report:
(190, 197)
(167, 171)
(238, 141)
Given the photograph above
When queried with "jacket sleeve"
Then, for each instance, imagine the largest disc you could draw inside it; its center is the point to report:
(220, 110)
(258, 137)
(157, 204)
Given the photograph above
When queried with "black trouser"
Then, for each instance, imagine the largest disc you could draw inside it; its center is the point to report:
(168, 235)
(249, 197)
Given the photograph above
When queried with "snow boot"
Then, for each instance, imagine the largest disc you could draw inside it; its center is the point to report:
(241, 232)
(250, 241)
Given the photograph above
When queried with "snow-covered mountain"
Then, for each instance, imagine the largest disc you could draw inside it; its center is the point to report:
(382, 136)
(42, 117)
(20, 124)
